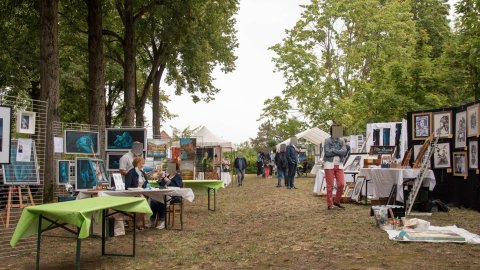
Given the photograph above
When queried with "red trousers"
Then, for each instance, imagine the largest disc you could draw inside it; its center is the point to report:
(331, 175)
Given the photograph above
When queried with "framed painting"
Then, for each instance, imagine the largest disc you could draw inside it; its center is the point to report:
(205, 159)
(81, 142)
(5, 130)
(323, 188)
(460, 163)
(26, 122)
(121, 139)
(63, 172)
(21, 172)
(354, 162)
(421, 125)
(441, 156)
(156, 149)
(73, 168)
(84, 175)
(473, 120)
(357, 190)
(98, 170)
(113, 160)
(473, 155)
(461, 129)
(188, 146)
(442, 124)
(416, 150)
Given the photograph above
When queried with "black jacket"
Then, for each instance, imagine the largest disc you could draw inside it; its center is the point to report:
(131, 179)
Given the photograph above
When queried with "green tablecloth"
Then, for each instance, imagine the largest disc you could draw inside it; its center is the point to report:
(203, 184)
(78, 213)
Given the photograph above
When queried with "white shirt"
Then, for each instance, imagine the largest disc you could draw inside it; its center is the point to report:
(330, 165)
(126, 161)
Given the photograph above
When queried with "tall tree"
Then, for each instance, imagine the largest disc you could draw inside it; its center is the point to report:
(49, 83)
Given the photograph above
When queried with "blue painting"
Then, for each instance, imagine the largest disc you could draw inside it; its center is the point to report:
(63, 171)
(113, 160)
(98, 169)
(21, 173)
(122, 138)
(81, 142)
(85, 178)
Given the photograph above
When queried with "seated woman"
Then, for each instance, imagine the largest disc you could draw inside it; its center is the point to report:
(172, 180)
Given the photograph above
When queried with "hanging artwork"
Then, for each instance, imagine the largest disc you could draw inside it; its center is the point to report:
(460, 163)
(461, 129)
(473, 155)
(113, 160)
(122, 139)
(81, 142)
(5, 125)
(473, 119)
(98, 169)
(441, 156)
(26, 122)
(421, 125)
(188, 146)
(205, 159)
(156, 149)
(354, 162)
(21, 172)
(442, 124)
(63, 172)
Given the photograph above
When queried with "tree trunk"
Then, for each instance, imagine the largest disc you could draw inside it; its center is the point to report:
(96, 86)
(49, 84)
(156, 101)
(129, 68)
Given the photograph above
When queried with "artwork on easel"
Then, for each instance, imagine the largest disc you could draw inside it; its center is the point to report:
(473, 120)
(5, 130)
(441, 156)
(21, 172)
(473, 155)
(63, 172)
(461, 129)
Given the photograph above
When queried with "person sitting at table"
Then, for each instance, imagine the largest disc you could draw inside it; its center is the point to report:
(136, 177)
(172, 180)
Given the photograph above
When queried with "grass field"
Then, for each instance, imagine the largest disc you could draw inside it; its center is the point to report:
(259, 226)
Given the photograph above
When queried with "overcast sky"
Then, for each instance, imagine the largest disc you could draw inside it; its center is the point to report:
(234, 112)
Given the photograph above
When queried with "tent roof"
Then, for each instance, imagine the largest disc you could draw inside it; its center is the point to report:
(313, 135)
(206, 138)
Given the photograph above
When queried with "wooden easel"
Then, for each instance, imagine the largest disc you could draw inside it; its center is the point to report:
(10, 205)
(422, 152)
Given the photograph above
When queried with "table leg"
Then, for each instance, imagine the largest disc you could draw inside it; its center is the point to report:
(103, 231)
(134, 237)
(208, 192)
(366, 191)
(214, 199)
(77, 259)
(39, 240)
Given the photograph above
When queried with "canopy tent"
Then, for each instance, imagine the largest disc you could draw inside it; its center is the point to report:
(313, 135)
(205, 138)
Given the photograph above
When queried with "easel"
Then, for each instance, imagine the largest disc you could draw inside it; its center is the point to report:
(20, 204)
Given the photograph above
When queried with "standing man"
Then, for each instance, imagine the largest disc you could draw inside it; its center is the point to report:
(335, 151)
(292, 158)
(240, 164)
(259, 163)
(281, 163)
(126, 161)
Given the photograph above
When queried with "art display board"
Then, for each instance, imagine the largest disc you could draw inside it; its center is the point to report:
(122, 139)
(63, 172)
(81, 142)
(21, 172)
(5, 133)
(113, 160)
(26, 122)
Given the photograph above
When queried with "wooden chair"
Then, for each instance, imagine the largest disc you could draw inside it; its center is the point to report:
(173, 209)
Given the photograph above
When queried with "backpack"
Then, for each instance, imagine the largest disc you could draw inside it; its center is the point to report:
(282, 160)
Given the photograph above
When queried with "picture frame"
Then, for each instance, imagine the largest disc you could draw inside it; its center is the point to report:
(156, 149)
(84, 176)
(461, 129)
(357, 190)
(26, 122)
(113, 160)
(118, 181)
(323, 187)
(21, 172)
(122, 139)
(421, 125)
(98, 170)
(354, 162)
(417, 149)
(63, 172)
(460, 163)
(441, 156)
(80, 142)
(442, 124)
(473, 155)
(188, 148)
(473, 120)
(73, 169)
(5, 133)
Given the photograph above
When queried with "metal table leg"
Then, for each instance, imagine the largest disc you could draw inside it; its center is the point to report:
(77, 257)
(39, 240)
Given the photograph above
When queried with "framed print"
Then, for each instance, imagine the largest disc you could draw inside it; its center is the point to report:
(63, 172)
(98, 170)
(73, 168)
(357, 190)
(187, 146)
(416, 151)
(460, 163)
(26, 122)
(461, 129)
(113, 160)
(84, 176)
(441, 156)
(473, 155)
(5, 130)
(421, 125)
(323, 188)
(354, 162)
(442, 124)
(80, 142)
(21, 172)
(121, 139)
(118, 181)
(156, 149)
(473, 120)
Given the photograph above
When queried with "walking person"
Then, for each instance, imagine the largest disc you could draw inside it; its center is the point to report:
(259, 164)
(291, 154)
(335, 151)
(240, 164)
(281, 163)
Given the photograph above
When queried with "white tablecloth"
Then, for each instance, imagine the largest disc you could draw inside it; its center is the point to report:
(315, 168)
(382, 180)
(226, 178)
(156, 194)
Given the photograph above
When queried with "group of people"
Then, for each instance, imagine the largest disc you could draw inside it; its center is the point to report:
(264, 164)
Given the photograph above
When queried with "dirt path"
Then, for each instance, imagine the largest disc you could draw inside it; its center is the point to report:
(259, 226)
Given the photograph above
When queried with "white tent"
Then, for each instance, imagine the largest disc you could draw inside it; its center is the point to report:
(313, 135)
(205, 138)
